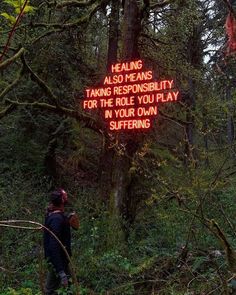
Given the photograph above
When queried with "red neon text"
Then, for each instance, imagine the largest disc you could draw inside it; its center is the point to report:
(125, 101)
(127, 66)
(90, 104)
(98, 92)
(130, 124)
(158, 97)
(129, 97)
(142, 88)
(128, 78)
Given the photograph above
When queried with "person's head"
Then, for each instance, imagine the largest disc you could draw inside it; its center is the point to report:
(59, 197)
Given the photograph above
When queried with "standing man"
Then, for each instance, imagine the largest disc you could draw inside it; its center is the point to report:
(58, 223)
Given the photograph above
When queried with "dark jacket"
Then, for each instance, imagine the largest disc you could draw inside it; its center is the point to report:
(58, 223)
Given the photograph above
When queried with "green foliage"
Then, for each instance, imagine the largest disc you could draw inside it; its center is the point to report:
(17, 6)
(175, 186)
(9, 17)
(21, 291)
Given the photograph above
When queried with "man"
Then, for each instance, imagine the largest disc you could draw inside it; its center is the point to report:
(58, 223)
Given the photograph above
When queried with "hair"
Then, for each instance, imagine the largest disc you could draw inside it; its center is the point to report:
(56, 198)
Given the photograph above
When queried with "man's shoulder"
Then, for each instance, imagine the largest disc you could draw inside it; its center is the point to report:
(55, 216)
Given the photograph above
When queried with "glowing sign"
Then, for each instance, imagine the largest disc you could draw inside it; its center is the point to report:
(129, 97)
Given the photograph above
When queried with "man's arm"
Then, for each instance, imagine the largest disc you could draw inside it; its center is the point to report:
(74, 220)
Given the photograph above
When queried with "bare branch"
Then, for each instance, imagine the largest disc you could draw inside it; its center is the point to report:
(155, 41)
(46, 35)
(178, 121)
(74, 3)
(8, 61)
(7, 110)
(160, 5)
(13, 84)
(82, 20)
(40, 82)
(42, 105)
(88, 121)
(18, 19)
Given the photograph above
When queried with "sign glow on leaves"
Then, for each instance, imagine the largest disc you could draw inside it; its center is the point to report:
(129, 97)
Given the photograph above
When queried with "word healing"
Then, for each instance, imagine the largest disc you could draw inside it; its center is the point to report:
(129, 96)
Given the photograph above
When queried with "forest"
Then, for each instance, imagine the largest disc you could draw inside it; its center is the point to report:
(129, 106)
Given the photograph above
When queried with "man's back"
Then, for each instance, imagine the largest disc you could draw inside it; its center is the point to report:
(58, 223)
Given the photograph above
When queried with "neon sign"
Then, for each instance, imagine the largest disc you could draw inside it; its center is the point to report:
(129, 96)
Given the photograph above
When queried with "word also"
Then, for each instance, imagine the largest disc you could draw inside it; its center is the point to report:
(128, 78)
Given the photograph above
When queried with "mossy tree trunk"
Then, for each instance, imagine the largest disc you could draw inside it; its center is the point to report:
(194, 56)
(127, 144)
(107, 152)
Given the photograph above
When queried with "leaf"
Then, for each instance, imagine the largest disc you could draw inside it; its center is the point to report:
(9, 17)
(13, 3)
(27, 9)
(18, 5)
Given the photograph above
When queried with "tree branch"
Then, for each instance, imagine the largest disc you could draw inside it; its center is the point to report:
(8, 61)
(42, 105)
(46, 35)
(160, 5)
(82, 20)
(180, 122)
(88, 121)
(154, 40)
(74, 3)
(14, 83)
(13, 29)
(7, 110)
(40, 82)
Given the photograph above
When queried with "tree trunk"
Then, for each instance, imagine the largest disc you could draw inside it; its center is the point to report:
(121, 180)
(194, 58)
(120, 203)
(113, 34)
(107, 153)
(131, 30)
(122, 161)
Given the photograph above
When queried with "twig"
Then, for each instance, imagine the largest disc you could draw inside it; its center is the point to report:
(160, 5)
(7, 110)
(82, 20)
(13, 30)
(46, 35)
(227, 219)
(14, 83)
(40, 82)
(7, 62)
(74, 3)
(6, 270)
(89, 122)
